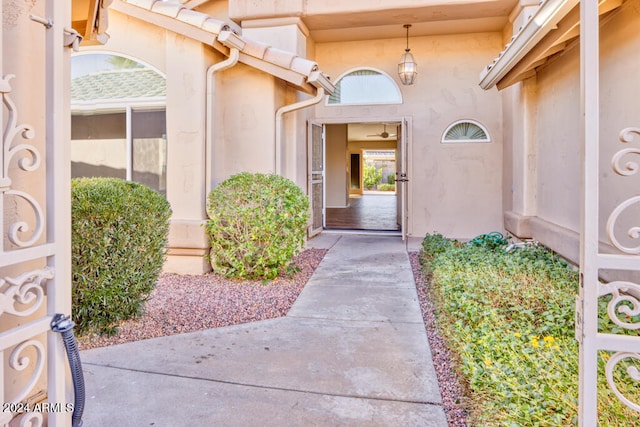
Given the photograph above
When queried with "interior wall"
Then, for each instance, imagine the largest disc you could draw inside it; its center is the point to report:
(336, 168)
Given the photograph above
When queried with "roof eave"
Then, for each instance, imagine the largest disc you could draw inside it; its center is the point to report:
(540, 24)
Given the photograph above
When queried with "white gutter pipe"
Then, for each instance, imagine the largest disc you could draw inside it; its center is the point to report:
(286, 109)
(234, 55)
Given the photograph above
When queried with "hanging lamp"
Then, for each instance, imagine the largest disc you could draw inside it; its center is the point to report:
(407, 68)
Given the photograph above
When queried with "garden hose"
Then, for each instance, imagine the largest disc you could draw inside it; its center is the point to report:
(493, 239)
(65, 325)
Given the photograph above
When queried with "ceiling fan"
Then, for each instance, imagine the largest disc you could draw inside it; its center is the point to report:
(384, 133)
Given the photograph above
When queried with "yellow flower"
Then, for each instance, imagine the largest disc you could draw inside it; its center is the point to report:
(517, 335)
(488, 362)
(535, 344)
(549, 339)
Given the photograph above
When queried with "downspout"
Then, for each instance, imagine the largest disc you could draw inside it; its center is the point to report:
(232, 60)
(286, 109)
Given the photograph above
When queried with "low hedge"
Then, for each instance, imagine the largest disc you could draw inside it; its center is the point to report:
(257, 224)
(119, 235)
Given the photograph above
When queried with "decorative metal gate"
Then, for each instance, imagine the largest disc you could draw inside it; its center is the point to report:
(621, 351)
(35, 235)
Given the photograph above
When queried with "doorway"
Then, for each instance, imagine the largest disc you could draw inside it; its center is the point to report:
(364, 198)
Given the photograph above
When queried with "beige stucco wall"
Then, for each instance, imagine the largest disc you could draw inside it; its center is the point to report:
(446, 181)
(554, 214)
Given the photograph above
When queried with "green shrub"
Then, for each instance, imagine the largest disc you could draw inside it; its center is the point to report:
(257, 224)
(371, 176)
(391, 179)
(509, 322)
(119, 234)
(386, 187)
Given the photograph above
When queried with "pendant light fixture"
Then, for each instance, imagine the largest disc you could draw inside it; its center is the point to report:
(407, 68)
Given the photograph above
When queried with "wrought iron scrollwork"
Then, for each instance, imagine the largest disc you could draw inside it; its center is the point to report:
(625, 302)
(29, 161)
(625, 169)
(18, 361)
(27, 290)
(632, 371)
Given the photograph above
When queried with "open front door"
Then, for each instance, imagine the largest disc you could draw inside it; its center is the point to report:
(401, 178)
(315, 171)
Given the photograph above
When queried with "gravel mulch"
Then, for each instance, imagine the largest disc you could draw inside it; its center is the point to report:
(449, 382)
(188, 303)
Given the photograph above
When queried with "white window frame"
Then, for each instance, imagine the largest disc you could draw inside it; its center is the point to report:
(353, 70)
(444, 139)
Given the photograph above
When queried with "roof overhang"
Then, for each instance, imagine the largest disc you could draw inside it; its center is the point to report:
(90, 20)
(548, 32)
(296, 71)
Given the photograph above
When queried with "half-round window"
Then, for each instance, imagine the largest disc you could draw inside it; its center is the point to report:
(465, 131)
(365, 86)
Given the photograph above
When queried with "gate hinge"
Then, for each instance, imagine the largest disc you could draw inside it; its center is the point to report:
(579, 319)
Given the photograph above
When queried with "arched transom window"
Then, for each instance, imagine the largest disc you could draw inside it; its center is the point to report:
(465, 131)
(365, 86)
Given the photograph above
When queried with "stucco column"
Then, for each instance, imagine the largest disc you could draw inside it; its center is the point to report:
(521, 164)
(186, 91)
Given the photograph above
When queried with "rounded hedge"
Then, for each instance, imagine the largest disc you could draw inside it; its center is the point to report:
(257, 224)
(119, 235)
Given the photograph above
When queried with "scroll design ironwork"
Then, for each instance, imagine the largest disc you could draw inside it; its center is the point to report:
(29, 161)
(625, 302)
(627, 168)
(27, 289)
(632, 371)
(18, 361)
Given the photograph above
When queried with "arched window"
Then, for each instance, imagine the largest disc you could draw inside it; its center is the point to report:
(365, 86)
(465, 131)
(118, 119)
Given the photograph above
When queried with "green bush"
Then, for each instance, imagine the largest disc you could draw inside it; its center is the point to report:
(386, 187)
(391, 179)
(509, 322)
(119, 234)
(371, 175)
(257, 224)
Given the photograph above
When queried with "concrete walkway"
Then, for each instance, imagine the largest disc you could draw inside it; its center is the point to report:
(351, 352)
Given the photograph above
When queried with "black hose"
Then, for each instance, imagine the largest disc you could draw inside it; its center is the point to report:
(64, 325)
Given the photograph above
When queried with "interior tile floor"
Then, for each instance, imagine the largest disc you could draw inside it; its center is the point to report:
(366, 212)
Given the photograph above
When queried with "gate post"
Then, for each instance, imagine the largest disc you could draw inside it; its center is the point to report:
(625, 295)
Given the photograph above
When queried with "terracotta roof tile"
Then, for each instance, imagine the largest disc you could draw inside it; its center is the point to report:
(281, 58)
(168, 9)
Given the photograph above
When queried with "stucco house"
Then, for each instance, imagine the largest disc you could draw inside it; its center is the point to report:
(499, 152)
(496, 133)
